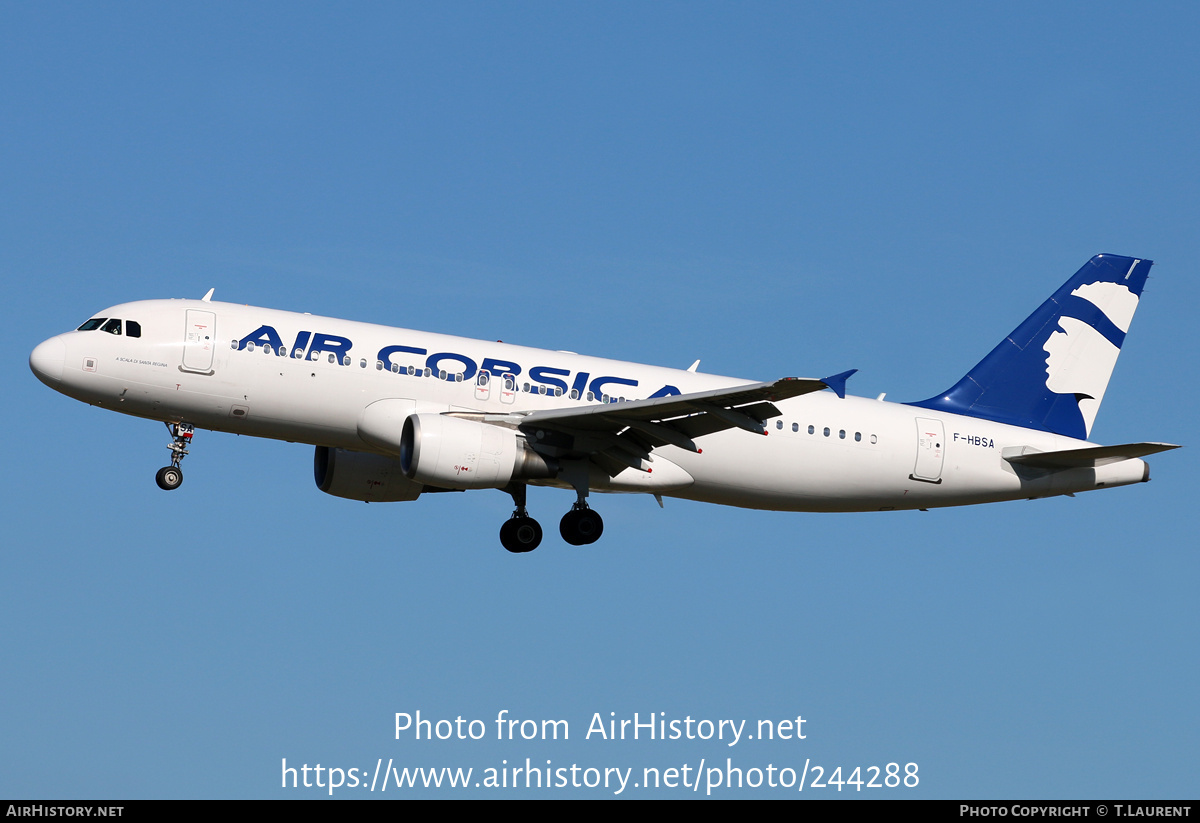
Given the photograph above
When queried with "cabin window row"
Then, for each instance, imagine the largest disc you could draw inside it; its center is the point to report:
(827, 432)
(482, 379)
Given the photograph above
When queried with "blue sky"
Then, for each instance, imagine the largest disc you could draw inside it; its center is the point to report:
(775, 189)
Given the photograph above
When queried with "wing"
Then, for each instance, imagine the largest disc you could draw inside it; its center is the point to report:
(617, 436)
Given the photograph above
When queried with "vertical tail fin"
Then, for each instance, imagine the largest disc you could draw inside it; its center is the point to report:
(1050, 373)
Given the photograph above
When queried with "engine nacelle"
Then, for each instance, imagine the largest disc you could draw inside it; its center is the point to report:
(362, 476)
(453, 453)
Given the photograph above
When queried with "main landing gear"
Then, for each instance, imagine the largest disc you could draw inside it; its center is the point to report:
(170, 477)
(581, 526)
(521, 533)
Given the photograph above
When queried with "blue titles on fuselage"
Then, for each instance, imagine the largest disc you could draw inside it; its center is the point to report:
(450, 362)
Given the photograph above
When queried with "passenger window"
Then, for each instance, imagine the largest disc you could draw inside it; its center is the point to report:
(779, 425)
(233, 344)
(557, 391)
(267, 348)
(874, 439)
(842, 434)
(92, 325)
(133, 328)
(362, 364)
(541, 390)
(509, 383)
(345, 360)
(113, 327)
(481, 379)
(795, 427)
(574, 394)
(811, 430)
(250, 346)
(826, 431)
(858, 437)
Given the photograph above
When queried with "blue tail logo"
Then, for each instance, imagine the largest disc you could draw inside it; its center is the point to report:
(1051, 372)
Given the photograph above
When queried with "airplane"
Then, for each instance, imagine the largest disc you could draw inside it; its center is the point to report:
(395, 413)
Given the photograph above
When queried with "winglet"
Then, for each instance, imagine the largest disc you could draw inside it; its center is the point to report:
(838, 382)
(206, 298)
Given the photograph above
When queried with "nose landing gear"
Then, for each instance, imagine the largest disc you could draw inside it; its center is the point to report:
(170, 477)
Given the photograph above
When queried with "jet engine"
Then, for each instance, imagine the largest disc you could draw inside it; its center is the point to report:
(453, 453)
(362, 476)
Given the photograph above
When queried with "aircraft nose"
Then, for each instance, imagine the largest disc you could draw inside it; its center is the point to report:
(47, 360)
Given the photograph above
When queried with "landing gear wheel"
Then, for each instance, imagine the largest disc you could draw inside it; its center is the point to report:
(581, 526)
(521, 534)
(169, 478)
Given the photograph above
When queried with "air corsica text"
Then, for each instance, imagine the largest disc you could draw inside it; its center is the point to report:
(549, 376)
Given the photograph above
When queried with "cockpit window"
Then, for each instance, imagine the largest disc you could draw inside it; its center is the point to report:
(92, 324)
(112, 326)
(133, 328)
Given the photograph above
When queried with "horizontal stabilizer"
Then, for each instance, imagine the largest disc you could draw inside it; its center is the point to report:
(1090, 457)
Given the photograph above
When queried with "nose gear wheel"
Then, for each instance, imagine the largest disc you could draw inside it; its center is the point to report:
(170, 477)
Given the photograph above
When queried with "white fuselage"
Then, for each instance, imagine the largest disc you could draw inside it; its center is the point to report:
(824, 453)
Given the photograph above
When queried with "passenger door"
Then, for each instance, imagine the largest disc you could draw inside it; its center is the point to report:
(931, 450)
(199, 341)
